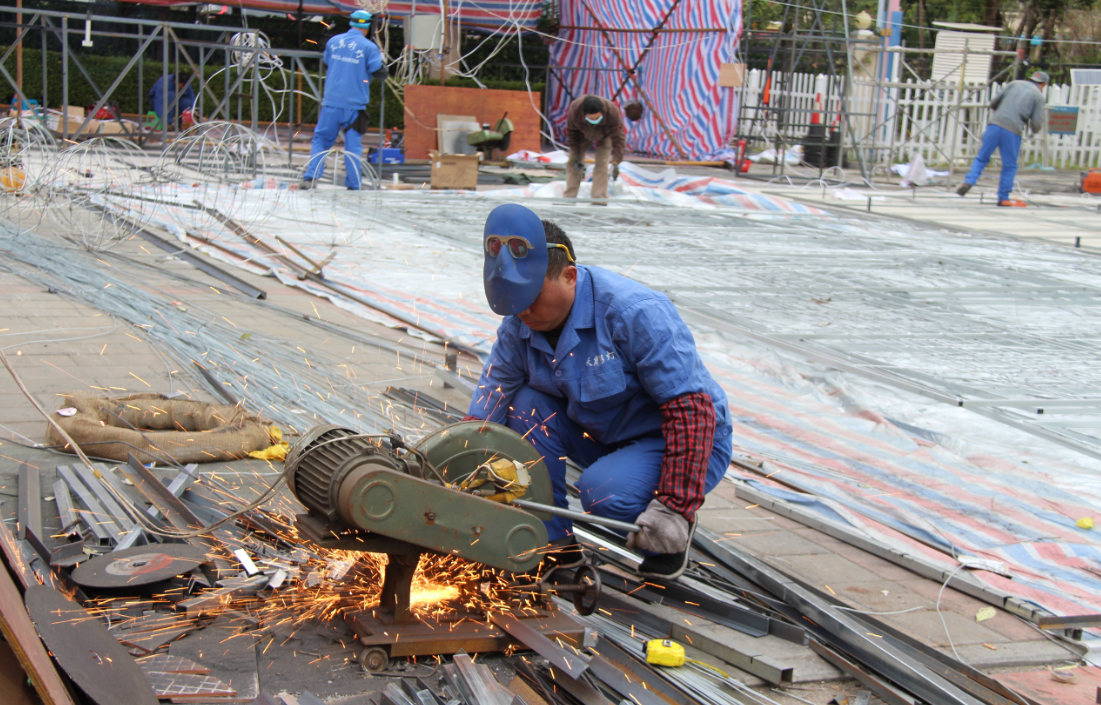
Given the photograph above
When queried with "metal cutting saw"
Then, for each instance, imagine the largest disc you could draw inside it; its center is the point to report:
(474, 489)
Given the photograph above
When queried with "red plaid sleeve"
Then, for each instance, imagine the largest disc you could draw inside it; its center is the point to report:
(688, 425)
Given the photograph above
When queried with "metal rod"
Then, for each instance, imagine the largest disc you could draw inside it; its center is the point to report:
(577, 516)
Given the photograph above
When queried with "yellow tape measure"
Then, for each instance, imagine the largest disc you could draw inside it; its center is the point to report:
(666, 652)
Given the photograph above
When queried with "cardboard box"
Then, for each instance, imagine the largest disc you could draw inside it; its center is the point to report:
(57, 124)
(112, 127)
(454, 171)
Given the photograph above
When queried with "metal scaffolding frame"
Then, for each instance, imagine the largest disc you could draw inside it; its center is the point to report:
(808, 28)
(887, 94)
(174, 48)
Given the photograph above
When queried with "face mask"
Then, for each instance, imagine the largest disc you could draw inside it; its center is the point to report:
(596, 121)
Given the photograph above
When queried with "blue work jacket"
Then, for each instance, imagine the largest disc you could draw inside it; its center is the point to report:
(351, 59)
(623, 352)
(156, 98)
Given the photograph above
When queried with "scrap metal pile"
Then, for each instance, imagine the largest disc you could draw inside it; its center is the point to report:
(135, 593)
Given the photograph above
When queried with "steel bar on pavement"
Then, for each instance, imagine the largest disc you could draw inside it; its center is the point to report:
(68, 516)
(569, 663)
(884, 691)
(203, 265)
(883, 657)
(669, 594)
(30, 502)
(638, 670)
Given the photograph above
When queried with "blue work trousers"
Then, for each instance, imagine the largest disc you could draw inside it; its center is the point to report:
(1008, 146)
(618, 482)
(329, 124)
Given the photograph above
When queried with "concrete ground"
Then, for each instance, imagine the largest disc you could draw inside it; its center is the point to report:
(58, 346)
(1056, 212)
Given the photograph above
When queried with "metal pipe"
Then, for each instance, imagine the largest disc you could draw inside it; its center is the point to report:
(577, 516)
(64, 77)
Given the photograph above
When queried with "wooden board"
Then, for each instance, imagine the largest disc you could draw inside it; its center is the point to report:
(20, 634)
(86, 650)
(14, 683)
(424, 103)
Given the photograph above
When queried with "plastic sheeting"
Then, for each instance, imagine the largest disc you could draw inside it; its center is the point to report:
(941, 478)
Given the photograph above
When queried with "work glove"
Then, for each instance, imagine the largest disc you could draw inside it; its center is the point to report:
(615, 172)
(579, 165)
(663, 530)
(382, 74)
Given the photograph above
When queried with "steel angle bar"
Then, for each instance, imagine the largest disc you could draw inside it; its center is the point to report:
(169, 505)
(638, 691)
(963, 675)
(177, 487)
(883, 657)
(98, 487)
(65, 513)
(485, 691)
(569, 663)
(672, 595)
(638, 670)
(30, 502)
(580, 689)
(97, 519)
(619, 608)
(1082, 621)
(885, 692)
(584, 517)
(204, 266)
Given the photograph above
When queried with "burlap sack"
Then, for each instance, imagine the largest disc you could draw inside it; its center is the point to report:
(187, 431)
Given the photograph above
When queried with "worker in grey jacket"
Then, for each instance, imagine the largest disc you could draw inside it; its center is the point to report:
(1021, 103)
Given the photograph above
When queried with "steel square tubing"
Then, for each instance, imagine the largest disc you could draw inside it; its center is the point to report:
(97, 519)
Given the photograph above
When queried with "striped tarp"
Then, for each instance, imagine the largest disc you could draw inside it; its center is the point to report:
(679, 75)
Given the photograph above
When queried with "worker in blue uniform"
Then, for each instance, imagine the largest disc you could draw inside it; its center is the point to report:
(181, 97)
(595, 367)
(352, 60)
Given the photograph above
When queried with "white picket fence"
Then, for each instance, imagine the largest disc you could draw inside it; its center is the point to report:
(892, 125)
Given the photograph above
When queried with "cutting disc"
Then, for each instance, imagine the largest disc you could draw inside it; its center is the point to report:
(140, 565)
(86, 650)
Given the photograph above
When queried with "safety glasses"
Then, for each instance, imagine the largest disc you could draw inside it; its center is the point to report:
(517, 246)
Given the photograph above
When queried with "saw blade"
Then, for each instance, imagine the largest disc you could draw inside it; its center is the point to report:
(140, 565)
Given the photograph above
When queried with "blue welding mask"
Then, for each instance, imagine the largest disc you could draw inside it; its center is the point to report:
(515, 250)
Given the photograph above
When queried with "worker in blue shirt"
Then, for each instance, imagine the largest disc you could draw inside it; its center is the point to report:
(352, 60)
(595, 367)
(181, 97)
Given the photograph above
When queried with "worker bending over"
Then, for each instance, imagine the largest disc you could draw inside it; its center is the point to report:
(180, 97)
(592, 366)
(591, 120)
(352, 60)
(1021, 103)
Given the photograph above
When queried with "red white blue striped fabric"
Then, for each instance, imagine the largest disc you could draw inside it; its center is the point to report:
(680, 74)
(505, 15)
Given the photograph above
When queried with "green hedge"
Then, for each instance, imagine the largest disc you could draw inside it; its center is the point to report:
(104, 70)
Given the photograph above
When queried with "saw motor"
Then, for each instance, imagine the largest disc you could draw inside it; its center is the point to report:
(449, 493)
